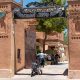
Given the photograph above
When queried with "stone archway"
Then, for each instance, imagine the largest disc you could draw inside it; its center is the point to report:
(7, 66)
(74, 38)
(12, 43)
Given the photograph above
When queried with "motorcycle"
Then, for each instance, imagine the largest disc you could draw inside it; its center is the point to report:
(36, 69)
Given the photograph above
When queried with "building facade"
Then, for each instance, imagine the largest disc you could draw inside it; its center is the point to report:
(53, 40)
(74, 38)
(17, 40)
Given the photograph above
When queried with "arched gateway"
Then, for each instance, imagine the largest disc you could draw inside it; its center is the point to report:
(18, 39)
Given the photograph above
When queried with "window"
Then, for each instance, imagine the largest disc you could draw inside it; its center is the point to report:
(77, 26)
(19, 55)
(37, 40)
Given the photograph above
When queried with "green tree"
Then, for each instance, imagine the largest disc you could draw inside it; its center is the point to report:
(59, 2)
(44, 1)
(50, 25)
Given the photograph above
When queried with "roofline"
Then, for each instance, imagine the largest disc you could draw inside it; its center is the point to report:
(18, 4)
(74, 2)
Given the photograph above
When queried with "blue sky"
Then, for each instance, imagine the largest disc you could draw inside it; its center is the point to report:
(27, 1)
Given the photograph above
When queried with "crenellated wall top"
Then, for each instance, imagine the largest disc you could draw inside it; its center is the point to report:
(6, 0)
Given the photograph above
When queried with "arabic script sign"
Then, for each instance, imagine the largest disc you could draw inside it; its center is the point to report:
(39, 12)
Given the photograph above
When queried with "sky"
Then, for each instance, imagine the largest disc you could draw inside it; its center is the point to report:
(27, 1)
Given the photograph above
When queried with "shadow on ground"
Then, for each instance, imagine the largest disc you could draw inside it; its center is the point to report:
(65, 72)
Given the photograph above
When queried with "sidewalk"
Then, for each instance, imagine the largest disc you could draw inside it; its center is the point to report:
(50, 72)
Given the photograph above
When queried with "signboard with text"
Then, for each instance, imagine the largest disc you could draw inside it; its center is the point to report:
(39, 12)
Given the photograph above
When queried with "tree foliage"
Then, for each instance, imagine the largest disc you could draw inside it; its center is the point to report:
(59, 2)
(51, 24)
(44, 1)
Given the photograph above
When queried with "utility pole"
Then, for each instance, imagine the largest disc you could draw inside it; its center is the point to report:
(22, 3)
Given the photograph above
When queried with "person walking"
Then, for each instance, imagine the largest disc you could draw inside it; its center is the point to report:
(52, 59)
(56, 58)
(61, 51)
(41, 57)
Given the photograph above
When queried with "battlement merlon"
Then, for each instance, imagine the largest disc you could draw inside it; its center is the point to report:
(73, 1)
(15, 4)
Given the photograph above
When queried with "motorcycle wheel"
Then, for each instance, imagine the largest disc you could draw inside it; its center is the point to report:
(32, 73)
(40, 72)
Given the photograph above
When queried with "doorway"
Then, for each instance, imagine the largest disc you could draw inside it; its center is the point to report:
(26, 55)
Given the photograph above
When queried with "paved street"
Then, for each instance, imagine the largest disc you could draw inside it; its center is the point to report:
(50, 72)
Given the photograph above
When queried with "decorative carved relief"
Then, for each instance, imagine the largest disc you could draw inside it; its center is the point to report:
(76, 20)
(74, 37)
(2, 36)
(77, 26)
(73, 13)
